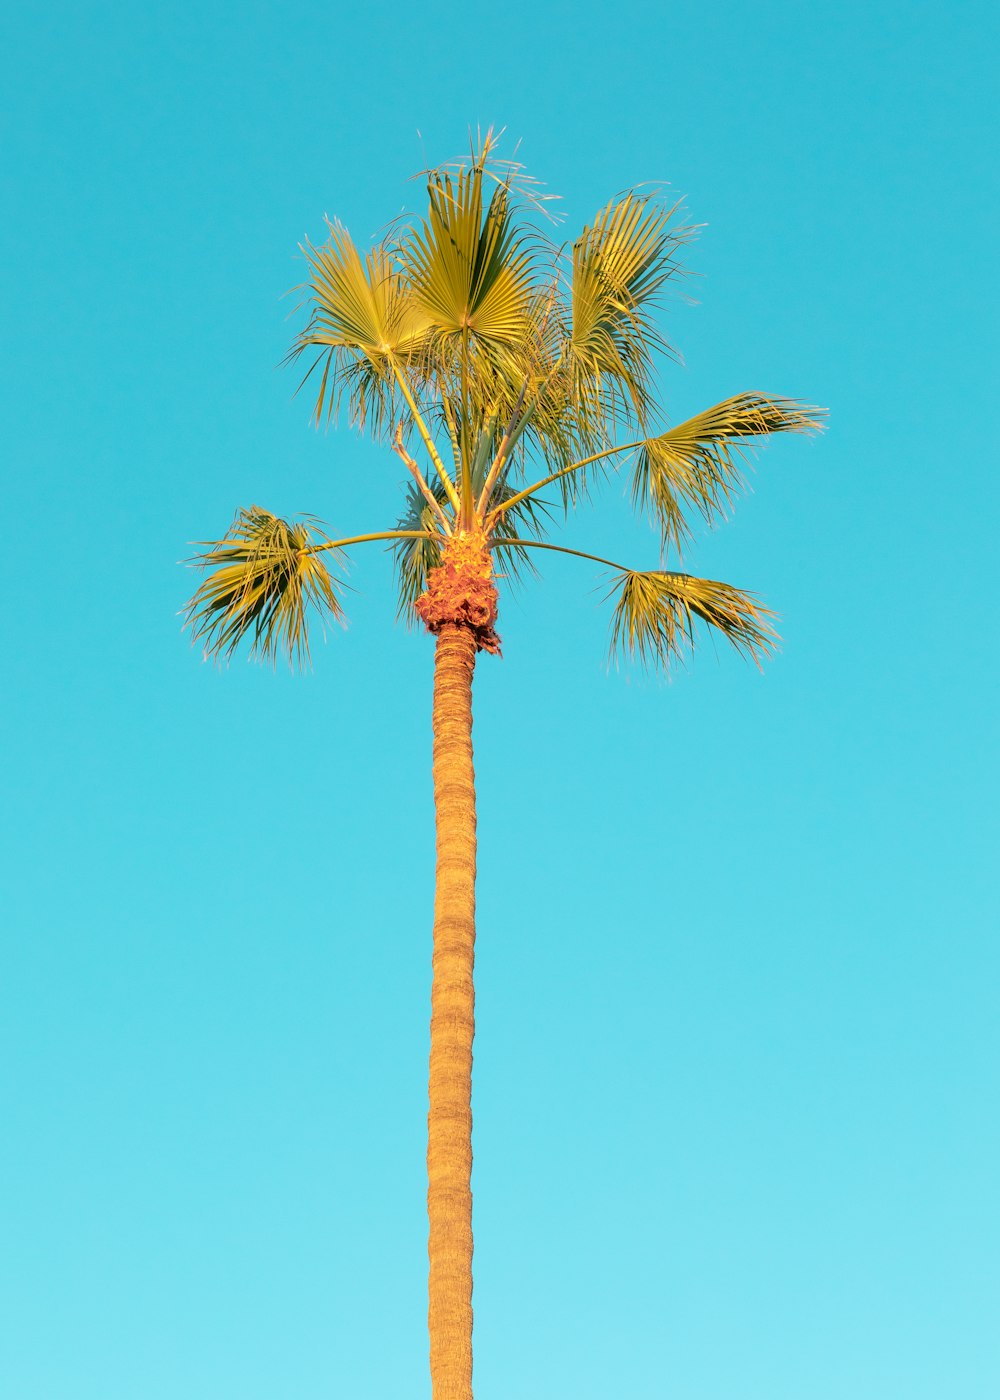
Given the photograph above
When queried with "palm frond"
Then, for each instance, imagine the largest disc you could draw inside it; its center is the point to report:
(656, 611)
(696, 466)
(267, 573)
(468, 265)
(621, 262)
(363, 317)
(471, 268)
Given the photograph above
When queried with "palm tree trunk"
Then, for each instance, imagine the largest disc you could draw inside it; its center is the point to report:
(449, 1121)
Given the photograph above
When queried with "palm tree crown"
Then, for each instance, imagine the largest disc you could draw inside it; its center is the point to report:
(507, 365)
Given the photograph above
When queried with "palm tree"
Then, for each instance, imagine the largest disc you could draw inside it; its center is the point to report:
(495, 365)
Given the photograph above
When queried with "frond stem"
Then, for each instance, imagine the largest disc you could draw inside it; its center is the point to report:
(554, 476)
(498, 460)
(380, 535)
(418, 476)
(465, 485)
(561, 549)
(428, 441)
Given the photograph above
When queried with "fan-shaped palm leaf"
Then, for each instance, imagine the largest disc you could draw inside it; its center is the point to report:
(620, 263)
(655, 614)
(364, 318)
(468, 266)
(697, 465)
(267, 573)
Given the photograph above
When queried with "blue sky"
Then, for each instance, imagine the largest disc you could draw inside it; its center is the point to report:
(737, 1057)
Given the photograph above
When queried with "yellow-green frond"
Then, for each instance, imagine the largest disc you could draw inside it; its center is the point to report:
(696, 467)
(656, 611)
(363, 317)
(469, 267)
(620, 264)
(265, 574)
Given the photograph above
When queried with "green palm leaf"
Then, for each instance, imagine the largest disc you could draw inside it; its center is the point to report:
(467, 265)
(656, 611)
(267, 573)
(697, 465)
(364, 317)
(620, 264)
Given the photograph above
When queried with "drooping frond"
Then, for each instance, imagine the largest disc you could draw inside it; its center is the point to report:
(266, 573)
(364, 317)
(656, 611)
(696, 466)
(621, 262)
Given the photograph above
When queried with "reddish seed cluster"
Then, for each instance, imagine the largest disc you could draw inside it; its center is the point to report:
(461, 590)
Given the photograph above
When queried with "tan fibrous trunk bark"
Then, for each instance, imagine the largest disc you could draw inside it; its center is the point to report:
(449, 1121)
(460, 608)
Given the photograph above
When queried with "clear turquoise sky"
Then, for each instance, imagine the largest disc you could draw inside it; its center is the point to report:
(737, 1062)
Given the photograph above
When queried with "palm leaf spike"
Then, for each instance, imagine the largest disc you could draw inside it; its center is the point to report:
(485, 481)
(267, 573)
(451, 428)
(484, 451)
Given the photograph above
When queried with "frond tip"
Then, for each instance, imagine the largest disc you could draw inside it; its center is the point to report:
(655, 614)
(267, 572)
